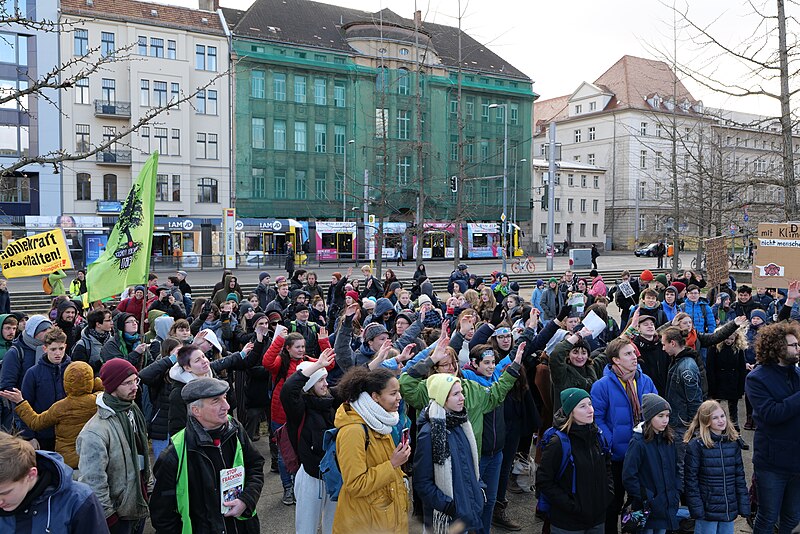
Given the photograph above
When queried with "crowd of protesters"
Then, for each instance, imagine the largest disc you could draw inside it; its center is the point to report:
(384, 400)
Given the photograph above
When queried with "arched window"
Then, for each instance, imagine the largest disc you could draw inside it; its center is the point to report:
(402, 82)
(109, 187)
(207, 191)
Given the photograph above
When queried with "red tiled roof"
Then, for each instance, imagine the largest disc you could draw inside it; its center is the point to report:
(142, 13)
(632, 79)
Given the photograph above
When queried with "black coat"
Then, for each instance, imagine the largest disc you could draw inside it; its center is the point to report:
(653, 361)
(204, 461)
(714, 480)
(155, 377)
(726, 372)
(316, 415)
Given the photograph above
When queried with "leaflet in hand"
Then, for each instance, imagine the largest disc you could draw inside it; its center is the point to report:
(594, 323)
(231, 483)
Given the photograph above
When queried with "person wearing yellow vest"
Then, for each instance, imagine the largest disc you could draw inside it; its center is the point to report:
(188, 494)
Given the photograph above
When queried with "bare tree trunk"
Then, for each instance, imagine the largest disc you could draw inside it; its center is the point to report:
(790, 193)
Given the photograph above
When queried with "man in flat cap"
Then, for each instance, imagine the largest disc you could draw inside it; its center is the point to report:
(190, 471)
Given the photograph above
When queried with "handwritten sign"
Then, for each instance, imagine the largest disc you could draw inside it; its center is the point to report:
(716, 260)
(36, 255)
(777, 255)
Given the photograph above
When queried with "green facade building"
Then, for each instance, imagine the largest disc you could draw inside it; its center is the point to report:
(318, 87)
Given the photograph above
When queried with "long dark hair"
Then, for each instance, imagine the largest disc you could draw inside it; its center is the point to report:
(360, 380)
(286, 359)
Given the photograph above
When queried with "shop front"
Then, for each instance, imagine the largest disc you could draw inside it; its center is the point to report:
(86, 236)
(336, 240)
(483, 240)
(438, 241)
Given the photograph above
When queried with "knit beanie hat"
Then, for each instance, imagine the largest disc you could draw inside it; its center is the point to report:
(761, 314)
(262, 275)
(662, 279)
(353, 295)
(680, 286)
(646, 276)
(114, 372)
(570, 398)
(232, 296)
(439, 386)
(373, 330)
(318, 375)
(553, 280)
(652, 405)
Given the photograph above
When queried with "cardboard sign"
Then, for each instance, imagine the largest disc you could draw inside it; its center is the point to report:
(716, 260)
(36, 255)
(777, 255)
(626, 289)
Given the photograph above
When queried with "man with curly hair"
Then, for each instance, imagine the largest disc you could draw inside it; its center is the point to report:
(774, 391)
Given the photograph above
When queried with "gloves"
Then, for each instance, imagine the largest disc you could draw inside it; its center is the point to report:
(497, 316)
(564, 313)
(207, 306)
(450, 509)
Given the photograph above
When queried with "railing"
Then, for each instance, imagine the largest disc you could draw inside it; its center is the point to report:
(114, 157)
(121, 110)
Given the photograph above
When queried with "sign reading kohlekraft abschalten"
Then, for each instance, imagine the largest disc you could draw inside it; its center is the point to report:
(36, 255)
(777, 257)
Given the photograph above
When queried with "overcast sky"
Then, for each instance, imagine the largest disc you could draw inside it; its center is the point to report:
(559, 44)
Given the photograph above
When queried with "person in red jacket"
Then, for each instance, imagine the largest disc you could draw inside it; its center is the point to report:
(281, 359)
(134, 304)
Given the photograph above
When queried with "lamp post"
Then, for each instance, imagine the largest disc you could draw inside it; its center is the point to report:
(514, 201)
(344, 181)
(504, 226)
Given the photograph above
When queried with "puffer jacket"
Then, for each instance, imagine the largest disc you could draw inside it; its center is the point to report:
(726, 371)
(87, 348)
(42, 386)
(155, 377)
(493, 437)
(650, 473)
(23, 354)
(702, 315)
(714, 478)
(63, 506)
(68, 415)
(684, 389)
(373, 497)
(613, 412)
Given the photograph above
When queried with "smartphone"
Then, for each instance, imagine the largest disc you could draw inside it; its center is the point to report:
(406, 436)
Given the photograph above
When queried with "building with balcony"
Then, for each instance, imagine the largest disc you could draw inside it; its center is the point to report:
(160, 54)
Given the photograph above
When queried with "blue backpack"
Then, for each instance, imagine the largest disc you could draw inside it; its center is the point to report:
(329, 465)
(543, 505)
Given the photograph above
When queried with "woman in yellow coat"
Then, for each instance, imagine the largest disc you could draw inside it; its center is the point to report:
(373, 498)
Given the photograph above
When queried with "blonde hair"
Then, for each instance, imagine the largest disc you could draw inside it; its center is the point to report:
(702, 424)
(471, 296)
(366, 269)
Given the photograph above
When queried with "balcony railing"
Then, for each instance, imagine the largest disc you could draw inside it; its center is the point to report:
(114, 157)
(121, 110)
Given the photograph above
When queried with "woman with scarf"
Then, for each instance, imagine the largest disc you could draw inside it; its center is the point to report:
(124, 344)
(373, 497)
(446, 464)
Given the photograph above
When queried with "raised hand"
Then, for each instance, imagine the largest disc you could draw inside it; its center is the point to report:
(352, 309)
(323, 332)
(520, 352)
(281, 331)
(794, 290)
(14, 395)
(407, 353)
(326, 358)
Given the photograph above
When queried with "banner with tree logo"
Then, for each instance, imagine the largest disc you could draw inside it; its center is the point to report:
(126, 259)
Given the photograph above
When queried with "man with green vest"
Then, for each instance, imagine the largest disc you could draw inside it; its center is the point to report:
(196, 474)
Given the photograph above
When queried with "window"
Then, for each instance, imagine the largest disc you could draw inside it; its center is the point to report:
(280, 184)
(454, 148)
(212, 59)
(642, 189)
(300, 89)
(320, 138)
(577, 136)
(176, 187)
(84, 186)
(14, 141)
(469, 149)
(484, 193)
(594, 230)
(499, 114)
(659, 157)
(142, 45)
(320, 57)
(403, 123)
(339, 92)
(382, 80)
(484, 111)
(213, 151)
(641, 223)
(279, 86)
(596, 182)
(175, 92)
(160, 136)
(172, 49)
(258, 132)
(592, 134)
(381, 126)
(556, 228)
(484, 150)
(144, 135)
(583, 180)
(576, 158)
(81, 40)
(82, 143)
(320, 93)
(543, 229)
(642, 128)
(257, 83)
(570, 180)
(159, 94)
(514, 114)
(578, 109)
(107, 44)
(643, 159)
(109, 187)
(469, 108)
(338, 187)
(454, 108)
(658, 130)
(207, 102)
(320, 185)
(300, 185)
(279, 135)
(570, 202)
(558, 204)
(590, 159)
(595, 206)
(583, 230)
(592, 106)
(583, 205)
(402, 82)
(82, 91)
(144, 93)
(339, 135)
(300, 136)
(403, 168)
(162, 187)
(13, 49)
(205, 57)
(156, 47)
(259, 182)
(202, 146)
(175, 142)
(207, 190)
(109, 91)
(404, 51)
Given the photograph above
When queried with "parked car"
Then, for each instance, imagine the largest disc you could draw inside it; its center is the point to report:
(648, 251)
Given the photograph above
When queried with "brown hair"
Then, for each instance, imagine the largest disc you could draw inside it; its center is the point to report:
(16, 458)
(451, 354)
(702, 424)
(54, 335)
(649, 293)
(180, 323)
(771, 341)
(650, 433)
(615, 345)
(673, 333)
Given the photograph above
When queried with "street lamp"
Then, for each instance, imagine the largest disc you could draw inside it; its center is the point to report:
(505, 179)
(344, 182)
(514, 202)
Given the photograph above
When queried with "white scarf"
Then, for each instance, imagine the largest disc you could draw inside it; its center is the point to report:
(374, 415)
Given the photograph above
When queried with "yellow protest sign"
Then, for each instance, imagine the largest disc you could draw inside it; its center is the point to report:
(36, 255)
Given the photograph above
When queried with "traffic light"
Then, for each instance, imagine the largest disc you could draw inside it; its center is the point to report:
(454, 184)
(545, 199)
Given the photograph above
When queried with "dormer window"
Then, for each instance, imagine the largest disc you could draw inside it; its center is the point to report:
(592, 106)
(578, 109)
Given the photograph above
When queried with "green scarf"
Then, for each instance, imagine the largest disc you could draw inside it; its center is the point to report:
(135, 429)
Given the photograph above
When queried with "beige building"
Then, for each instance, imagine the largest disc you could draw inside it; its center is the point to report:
(163, 53)
(579, 204)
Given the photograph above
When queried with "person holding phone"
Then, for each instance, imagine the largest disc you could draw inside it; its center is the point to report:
(446, 461)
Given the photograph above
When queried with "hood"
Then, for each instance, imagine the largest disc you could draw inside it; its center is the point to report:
(179, 374)
(61, 474)
(382, 306)
(161, 326)
(34, 322)
(559, 419)
(274, 306)
(65, 305)
(427, 288)
(345, 415)
(639, 429)
(598, 278)
(119, 321)
(78, 379)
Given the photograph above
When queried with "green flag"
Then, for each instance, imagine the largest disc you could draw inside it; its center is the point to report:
(126, 259)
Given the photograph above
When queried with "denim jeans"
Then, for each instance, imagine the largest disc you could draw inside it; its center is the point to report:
(778, 498)
(314, 508)
(286, 478)
(597, 529)
(655, 531)
(490, 474)
(158, 446)
(713, 527)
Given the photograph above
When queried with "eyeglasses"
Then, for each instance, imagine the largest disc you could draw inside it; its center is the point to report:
(795, 345)
(130, 383)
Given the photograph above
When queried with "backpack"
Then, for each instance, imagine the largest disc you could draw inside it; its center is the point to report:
(543, 505)
(329, 465)
(46, 287)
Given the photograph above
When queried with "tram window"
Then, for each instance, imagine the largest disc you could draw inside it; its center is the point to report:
(480, 240)
(392, 240)
(328, 240)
